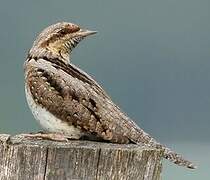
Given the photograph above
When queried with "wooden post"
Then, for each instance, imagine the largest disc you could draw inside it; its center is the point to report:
(24, 159)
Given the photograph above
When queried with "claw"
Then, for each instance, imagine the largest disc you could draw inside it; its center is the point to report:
(48, 136)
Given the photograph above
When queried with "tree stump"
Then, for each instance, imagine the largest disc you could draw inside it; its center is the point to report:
(24, 159)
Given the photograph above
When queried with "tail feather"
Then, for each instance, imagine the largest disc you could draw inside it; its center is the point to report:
(138, 136)
(142, 137)
(172, 156)
(176, 158)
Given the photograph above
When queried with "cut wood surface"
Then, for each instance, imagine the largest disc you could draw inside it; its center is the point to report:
(28, 159)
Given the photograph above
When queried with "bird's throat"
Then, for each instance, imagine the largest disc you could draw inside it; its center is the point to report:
(59, 49)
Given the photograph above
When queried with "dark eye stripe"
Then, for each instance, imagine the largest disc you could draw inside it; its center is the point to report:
(68, 29)
(63, 32)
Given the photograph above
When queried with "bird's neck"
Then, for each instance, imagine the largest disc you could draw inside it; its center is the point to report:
(50, 53)
(60, 52)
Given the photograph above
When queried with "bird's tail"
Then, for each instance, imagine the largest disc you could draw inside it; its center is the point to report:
(139, 136)
(171, 155)
(174, 157)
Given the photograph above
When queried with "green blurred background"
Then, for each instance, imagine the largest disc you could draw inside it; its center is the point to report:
(153, 58)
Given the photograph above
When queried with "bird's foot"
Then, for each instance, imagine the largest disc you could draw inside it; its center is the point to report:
(48, 136)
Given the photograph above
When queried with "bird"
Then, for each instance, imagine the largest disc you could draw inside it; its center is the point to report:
(68, 103)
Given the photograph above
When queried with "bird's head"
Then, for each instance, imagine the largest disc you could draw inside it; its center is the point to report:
(58, 40)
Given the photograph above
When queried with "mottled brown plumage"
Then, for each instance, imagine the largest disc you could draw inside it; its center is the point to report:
(73, 97)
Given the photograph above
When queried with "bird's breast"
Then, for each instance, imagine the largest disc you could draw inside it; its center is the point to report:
(48, 121)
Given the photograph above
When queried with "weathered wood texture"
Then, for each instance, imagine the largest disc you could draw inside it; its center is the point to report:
(24, 159)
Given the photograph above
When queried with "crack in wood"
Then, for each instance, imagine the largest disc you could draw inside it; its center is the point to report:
(45, 168)
(97, 165)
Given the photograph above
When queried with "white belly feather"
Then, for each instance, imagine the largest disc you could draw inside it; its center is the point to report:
(48, 121)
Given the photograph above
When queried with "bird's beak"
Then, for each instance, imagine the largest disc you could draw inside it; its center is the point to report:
(85, 32)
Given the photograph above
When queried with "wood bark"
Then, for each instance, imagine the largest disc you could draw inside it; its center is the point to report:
(23, 159)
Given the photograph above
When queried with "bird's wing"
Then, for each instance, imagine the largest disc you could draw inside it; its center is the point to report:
(73, 96)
